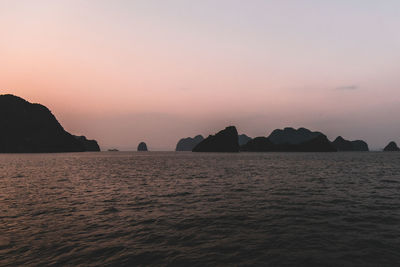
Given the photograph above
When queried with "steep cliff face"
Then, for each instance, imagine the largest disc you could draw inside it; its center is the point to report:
(224, 141)
(32, 128)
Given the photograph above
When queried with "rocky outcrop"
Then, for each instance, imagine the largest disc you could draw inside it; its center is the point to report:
(243, 139)
(88, 145)
(292, 136)
(142, 147)
(392, 146)
(342, 144)
(187, 144)
(224, 141)
(32, 128)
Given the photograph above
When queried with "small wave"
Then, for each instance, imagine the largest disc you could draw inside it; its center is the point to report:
(110, 200)
(109, 210)
(238, 190)
(177, 194)
(390, 181)
(4, 243)
(214, 199)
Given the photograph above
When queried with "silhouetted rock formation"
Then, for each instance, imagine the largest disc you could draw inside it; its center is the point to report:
(243, 139)
(224, 141)
(187, 144)
(292, 136)
(315, 142)
(32, 128)
(142, 147)
(89, 145)
(392, 146)
(342, 144)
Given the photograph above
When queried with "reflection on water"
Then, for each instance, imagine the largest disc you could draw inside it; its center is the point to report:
(119, 208)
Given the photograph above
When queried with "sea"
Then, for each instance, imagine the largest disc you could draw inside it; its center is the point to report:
(200, 209)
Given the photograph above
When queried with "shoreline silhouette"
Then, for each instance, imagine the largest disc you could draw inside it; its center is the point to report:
(32, 128)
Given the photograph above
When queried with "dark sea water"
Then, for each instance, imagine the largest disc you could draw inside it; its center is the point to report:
(184, 209)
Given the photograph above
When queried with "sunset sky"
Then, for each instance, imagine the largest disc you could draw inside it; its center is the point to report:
(122, 72)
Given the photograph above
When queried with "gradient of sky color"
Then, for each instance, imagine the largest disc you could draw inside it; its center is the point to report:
(128, 71)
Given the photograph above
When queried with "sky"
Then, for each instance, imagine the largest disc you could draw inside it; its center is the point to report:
(122, 72)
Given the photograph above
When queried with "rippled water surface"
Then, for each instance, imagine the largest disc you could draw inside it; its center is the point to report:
(129, 209)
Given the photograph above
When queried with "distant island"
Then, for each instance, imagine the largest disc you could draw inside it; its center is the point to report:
(280, 140)
(142, 147)
(391, 147)
(32, 128)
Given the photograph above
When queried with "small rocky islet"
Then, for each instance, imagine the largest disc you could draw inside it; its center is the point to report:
(391, 147)
(142, 147)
